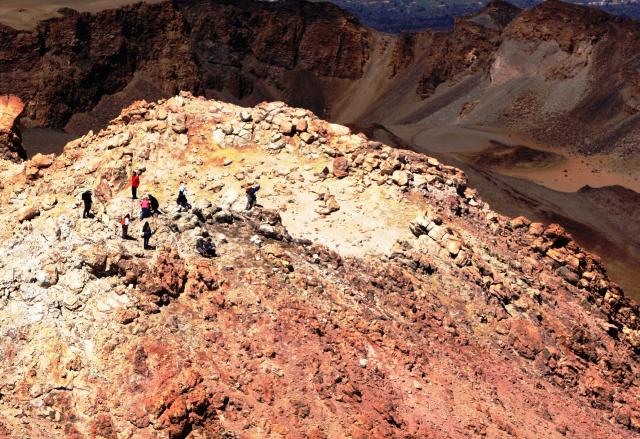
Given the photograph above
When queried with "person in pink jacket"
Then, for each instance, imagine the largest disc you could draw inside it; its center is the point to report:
(145, 205)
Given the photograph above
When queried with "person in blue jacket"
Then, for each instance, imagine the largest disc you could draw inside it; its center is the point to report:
(251, 190)
(147, 233)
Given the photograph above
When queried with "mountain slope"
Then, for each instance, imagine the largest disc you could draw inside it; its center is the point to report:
(79, 62)
(519, 70)
(404, 15)
(373, 293)
(559, 78)
(564, 85)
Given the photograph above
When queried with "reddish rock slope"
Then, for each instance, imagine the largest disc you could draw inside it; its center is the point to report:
(372, 294)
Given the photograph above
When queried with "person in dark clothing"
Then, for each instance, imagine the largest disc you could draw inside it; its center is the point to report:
(206, 248)
(155, 205)
(86, 198)
(135, 184)
(182, 199)
(147, 233)
(251, 190)
(125, 221)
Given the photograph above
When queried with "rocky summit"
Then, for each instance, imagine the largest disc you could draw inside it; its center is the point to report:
(370, 293)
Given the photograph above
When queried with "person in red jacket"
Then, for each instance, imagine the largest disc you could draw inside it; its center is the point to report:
(135, 184)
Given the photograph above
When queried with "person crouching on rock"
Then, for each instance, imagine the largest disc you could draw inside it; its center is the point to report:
(155, 205)
(86, 198)
(251, 190)
(124, 222)
(145, 206)
(182, 201)
(135, 184)
(205, 247)
(147, 233)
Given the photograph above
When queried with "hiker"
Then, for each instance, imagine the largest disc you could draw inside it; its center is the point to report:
(206, 247)
(146, 234)
(145, 205)
(125, 221)
(86, 197)
(135, 184)
(182, 199)
(155, 205)
(251, 190)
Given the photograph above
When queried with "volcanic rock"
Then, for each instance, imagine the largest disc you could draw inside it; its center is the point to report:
(10, 139)
(397, 312)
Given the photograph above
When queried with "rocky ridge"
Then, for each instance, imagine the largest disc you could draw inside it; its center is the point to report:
(237, 50)
(10, 139)
(546, 72)
(372, 293)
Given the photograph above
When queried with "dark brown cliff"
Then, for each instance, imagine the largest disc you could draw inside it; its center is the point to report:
(239, 50)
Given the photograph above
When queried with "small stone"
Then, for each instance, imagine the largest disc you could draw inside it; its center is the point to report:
(70, 301)
(301, 126)
(102, 306)
(340, 167)
(363, 362)
(41, 161)
(255, 239)
(519, 222)
(568, 275)
(161, 114)
(126, 316)
(306, 137)
(419, 226)
(227, 129)
(453, 247)
(387, 167)
(437, 233)
(332, 204)
(401, 178)
(286, 128)
(28, 213)
(275, 146)
(179, 125)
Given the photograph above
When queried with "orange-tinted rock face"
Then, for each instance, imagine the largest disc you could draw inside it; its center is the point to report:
(10, 140)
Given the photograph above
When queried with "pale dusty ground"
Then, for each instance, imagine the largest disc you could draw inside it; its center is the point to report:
(594, 171)
(573, 173)
(25, 14)
(365, 223)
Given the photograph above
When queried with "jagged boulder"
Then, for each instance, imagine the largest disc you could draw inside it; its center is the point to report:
(10, 138)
